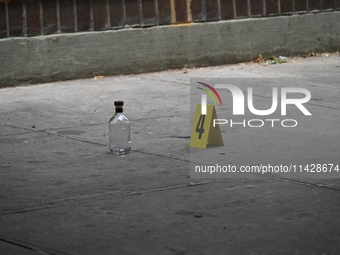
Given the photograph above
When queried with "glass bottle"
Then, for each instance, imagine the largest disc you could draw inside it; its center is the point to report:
(119, 131)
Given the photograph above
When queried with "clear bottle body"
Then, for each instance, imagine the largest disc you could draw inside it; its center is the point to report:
(119, 134)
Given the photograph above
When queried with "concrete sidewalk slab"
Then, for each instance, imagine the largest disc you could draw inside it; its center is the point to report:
(55, 168)
(62, 192)
(261, 216)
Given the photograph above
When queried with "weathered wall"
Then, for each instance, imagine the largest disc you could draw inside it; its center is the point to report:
(44, 17)
(48, 40)
(78, 55)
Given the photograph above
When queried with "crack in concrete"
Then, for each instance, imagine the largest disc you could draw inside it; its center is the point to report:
(105, 195)
(120, 193)
(92, 143)
(305, 183)
(31, 246)
(90, 125)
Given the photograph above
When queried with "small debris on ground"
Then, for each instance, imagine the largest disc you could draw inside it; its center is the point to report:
(259, 59)
(313, 54)
(270, 59)
(99, 77)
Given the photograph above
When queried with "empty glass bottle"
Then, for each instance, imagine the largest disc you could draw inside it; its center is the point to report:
(119, 131)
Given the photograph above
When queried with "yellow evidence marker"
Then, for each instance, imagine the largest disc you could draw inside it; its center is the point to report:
(203, 130)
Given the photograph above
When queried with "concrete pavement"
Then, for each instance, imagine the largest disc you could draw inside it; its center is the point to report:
(62, 192)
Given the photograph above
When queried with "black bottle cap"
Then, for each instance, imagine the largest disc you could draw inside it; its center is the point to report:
(119, 103)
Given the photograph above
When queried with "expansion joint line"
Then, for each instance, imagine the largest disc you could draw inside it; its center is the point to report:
(31, 246)
(105, 195)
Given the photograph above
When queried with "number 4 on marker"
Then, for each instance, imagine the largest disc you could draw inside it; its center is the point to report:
(200, 126)
(207, 132)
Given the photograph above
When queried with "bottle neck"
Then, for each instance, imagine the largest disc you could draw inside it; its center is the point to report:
(119, 110)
